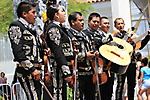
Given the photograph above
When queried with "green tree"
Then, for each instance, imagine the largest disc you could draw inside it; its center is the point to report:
(7, 12)
(148, 57)
(84, 8)
(6, 15)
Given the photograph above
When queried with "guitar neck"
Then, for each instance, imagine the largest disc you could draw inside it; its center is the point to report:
(140, 37)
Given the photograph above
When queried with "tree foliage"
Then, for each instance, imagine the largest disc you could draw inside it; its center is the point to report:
(148, 57)
(7, 12)
(6, 15)
(84, 8)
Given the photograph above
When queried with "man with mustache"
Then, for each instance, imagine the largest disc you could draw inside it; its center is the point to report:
(131, 70)
(85, 72)
(98, 28)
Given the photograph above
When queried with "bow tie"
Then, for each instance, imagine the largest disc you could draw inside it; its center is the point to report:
(61, 25)
(31, 27)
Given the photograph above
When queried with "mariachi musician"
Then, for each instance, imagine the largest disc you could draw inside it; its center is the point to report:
(92, 31)
(27, 50)
(107, 88)
(131, 69)
(85, 85)
(61, 49)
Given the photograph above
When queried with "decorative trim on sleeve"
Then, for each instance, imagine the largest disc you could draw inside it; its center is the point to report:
(15, 34)
(66, 70)
(26, 64)
(54, 35)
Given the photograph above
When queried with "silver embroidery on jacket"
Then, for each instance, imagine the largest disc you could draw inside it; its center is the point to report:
(15, 34)
(55, 35)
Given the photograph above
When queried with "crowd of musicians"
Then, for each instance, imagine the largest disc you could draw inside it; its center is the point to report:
(85, 59)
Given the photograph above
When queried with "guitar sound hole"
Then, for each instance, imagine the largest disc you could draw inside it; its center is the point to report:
(120, 46)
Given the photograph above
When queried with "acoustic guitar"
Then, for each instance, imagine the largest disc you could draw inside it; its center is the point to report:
(137, 41)
(115, 54)
(120, 56)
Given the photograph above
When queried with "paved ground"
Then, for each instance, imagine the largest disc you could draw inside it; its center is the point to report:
(135, 95)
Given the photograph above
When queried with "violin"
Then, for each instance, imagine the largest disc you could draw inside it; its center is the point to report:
(72, 83)
(98, 77)
(97, 63)
(47, 75)
(102, 77)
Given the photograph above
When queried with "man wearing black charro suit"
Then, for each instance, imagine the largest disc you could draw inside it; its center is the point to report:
(85, 72)
(100, 38)
(26, 49)
(131, 69)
